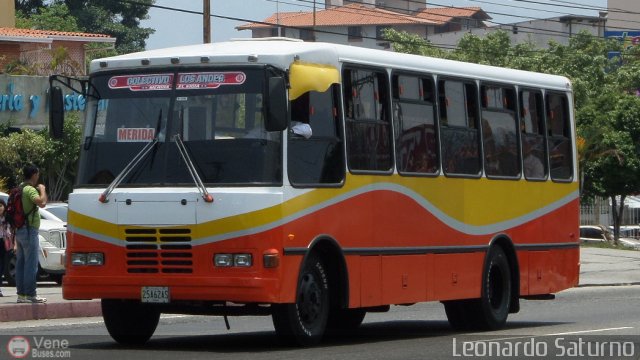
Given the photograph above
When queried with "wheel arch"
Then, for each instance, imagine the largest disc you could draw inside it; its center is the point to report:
(332, 255)
(506, 244)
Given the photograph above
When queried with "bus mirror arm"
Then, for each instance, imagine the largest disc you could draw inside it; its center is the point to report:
(192, 169)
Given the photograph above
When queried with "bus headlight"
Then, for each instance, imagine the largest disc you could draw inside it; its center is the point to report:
(78, 259)
(95, 259)
(223, 260)
(236, 260)
(243, 260)
(90, 259)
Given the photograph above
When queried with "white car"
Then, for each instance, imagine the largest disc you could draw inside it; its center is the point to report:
(599, 234)
(53, 243)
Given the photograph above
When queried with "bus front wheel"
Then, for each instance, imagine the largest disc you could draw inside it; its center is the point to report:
(129, 322)
(305, 321)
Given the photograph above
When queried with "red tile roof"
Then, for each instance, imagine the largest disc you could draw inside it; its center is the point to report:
(446, 14)
(50, 34)
(352, 14)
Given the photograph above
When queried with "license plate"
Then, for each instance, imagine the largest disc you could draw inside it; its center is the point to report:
(154, 294)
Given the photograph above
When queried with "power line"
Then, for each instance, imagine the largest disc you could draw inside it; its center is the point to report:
(521, 28)
(440, 46)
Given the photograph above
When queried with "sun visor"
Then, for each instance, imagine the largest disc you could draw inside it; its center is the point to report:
(305, 77)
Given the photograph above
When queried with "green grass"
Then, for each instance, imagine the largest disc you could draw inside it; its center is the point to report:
(605, 245)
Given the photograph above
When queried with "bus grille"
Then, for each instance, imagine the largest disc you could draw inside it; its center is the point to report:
(152, 251)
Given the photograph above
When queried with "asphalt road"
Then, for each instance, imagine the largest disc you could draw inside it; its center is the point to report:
(580, 319)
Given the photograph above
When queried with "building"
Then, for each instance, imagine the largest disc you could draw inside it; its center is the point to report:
(36, 48)
(623, 23)
(539, 32)
(361, 23)
(623, 15)
(23, 101)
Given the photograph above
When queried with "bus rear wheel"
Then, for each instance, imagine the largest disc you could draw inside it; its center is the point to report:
(491, 310)
(305, 321)
(129, 322)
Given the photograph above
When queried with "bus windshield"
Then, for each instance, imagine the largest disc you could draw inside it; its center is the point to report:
(219, 115)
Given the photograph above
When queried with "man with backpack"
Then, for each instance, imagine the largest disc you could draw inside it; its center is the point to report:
(33, 196)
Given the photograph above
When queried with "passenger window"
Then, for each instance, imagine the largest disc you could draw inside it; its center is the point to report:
(458, 103)
(500, 131)
(368, 125)
(559, 138)
(534, 150)
(318, 159)
(414, 119)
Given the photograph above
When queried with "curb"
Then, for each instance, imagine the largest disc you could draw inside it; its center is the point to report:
(612, 284)
(22, 312)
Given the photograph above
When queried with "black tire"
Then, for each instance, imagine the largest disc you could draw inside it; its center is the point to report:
(305, 322)
(129, 322)
(491, 310)
(10, 269)
(57, 278)
(494, 303)
(460, 314)
(345, 319)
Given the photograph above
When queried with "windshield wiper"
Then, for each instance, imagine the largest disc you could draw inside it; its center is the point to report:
(192, 169)
(104, 197)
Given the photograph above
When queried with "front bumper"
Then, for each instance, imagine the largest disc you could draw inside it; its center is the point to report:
(234, 289)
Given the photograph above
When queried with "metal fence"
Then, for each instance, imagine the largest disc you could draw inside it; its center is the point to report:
(599, 213)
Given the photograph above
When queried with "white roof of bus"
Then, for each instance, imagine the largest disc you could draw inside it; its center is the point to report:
(281, 52)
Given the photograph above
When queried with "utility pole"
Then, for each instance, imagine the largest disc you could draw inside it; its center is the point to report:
(206, 21)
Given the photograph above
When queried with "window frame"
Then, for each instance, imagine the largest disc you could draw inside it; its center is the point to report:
(543, 130)
(516, 119)
(340, 138)
(397, 125)
(567, 127)
(386, 107)
(354, 34)
(463, 81)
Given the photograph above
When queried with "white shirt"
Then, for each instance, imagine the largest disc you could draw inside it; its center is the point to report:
(302, 129)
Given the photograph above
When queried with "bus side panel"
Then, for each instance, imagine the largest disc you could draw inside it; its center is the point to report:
(354, 271)
(552, 271)
(523, 265)
(458, 276)
(289, 271)
(370, 290)
(404, 279)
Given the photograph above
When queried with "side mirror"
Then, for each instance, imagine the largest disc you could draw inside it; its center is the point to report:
(56, 112)
(276, 105)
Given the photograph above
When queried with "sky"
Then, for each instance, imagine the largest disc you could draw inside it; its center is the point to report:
(176, 28)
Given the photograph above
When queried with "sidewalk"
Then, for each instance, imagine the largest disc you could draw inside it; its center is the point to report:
(599, 267)
(55, 307)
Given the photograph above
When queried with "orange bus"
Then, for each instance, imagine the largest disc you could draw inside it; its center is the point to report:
(317, 182)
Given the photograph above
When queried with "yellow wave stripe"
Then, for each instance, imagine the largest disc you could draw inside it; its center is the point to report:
(475, 202)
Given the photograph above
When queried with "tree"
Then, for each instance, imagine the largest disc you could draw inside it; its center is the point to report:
(53, 17)
(117, 18)
(57, 159)
(29, 6)
(62, 161)
(404, 42)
